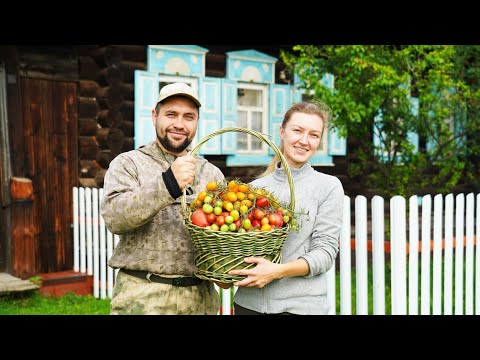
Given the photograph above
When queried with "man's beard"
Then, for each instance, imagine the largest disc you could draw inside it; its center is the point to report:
(167, 144)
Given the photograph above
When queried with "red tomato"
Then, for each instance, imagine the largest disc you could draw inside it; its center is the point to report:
(238, 223)
(220, 220)
(199, 218)
(272, 219)
(250, 217)
(262, 201)
(258, 214)
(256, 223)
(211, 217)
(279, 222)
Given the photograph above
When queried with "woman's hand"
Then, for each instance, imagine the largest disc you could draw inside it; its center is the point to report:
(262, 274)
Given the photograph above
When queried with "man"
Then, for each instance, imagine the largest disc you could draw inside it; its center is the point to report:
(141, 203)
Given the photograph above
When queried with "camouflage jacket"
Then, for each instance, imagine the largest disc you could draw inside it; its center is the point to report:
(137, 206)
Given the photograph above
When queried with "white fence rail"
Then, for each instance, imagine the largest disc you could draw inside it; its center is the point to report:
(436, 273)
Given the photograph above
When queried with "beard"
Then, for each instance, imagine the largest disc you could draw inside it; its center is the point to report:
(169, 146)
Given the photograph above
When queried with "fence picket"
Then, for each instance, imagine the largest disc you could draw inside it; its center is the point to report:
(459, 215)
(448, 257)
(469, 216)
(437, 254)
(346, 261)
(103, 255)
(413, 255)
(477, 260)
(398, 243)
(378, 255)
(76, 226)
(95, 243)
(83, 260)
(425, 255)
(455, 287)
(361, 263)
(88, 221)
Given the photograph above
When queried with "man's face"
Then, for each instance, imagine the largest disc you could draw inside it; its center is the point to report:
(175, 123)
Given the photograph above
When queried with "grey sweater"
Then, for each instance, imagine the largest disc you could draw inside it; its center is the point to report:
(317, 241)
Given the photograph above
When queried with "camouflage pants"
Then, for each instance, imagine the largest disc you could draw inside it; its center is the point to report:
(134, 296)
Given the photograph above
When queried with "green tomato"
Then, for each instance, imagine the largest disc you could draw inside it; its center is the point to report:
(224, 228)
(229, 219)
(207, 200)
(247, 224)
(207, 208)
(217, 210)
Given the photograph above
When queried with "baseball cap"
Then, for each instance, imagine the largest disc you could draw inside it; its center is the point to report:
(181, 89)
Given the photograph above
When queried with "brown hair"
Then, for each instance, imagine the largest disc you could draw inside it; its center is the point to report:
(313, 107)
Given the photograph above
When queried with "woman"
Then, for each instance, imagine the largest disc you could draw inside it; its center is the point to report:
(298, 285)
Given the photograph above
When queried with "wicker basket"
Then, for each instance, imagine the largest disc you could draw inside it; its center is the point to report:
(219, 252)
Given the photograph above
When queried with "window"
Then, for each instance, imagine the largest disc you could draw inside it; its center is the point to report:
(165, 80)
(252, 114)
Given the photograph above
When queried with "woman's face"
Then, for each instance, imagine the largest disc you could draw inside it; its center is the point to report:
(301, 138)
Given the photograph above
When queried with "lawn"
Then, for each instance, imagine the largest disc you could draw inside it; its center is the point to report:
(35, 304)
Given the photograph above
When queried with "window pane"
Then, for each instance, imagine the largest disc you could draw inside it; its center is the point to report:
(249, 97)
(242, 119)
(257, 121)
(242, 141)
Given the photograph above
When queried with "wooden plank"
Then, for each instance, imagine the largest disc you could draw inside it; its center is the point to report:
(59, 215)
(32, 132)
(72, 145)
(25, 245)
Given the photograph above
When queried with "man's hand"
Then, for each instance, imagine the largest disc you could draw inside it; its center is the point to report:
(183, 168)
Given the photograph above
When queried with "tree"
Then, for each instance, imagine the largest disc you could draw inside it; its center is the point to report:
(419, 102)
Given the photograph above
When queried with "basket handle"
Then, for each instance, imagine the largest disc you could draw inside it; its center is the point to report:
(262, 137)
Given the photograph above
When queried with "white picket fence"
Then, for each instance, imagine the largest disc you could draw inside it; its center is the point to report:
(447, 284)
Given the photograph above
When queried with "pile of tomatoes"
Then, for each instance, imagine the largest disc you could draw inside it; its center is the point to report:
(233, 206)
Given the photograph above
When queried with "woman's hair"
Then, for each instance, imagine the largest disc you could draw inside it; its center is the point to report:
(313, 107)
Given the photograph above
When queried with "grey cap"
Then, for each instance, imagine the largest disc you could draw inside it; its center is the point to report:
(178, 88)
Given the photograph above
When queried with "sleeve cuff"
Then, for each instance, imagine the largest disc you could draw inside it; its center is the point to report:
(171, 183)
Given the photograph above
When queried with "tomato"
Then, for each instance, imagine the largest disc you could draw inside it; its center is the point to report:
(207, 208)
(258, 214)
(256, 223)
(262, 201)
(279, 215)
(238, 223)
(266, 227)
(247, 224)
(272, 219)
(211, 217)
(199, 218)
(220, 220)
(212, 185)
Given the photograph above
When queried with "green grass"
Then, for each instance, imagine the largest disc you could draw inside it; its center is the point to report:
(33, 303)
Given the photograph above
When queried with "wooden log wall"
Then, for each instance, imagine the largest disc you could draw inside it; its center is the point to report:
(106, 106)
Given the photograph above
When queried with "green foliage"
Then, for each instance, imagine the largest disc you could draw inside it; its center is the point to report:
(373, 89)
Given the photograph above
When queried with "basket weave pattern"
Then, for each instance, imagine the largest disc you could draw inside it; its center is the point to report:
(218, 252)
